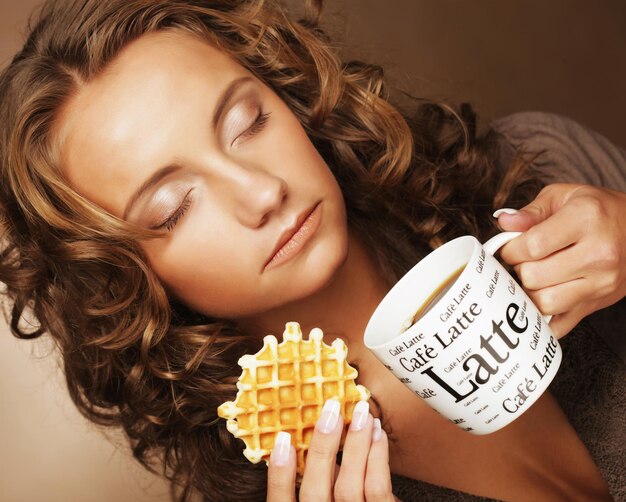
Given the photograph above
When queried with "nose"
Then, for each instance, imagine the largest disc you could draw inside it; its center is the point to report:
(256, 194)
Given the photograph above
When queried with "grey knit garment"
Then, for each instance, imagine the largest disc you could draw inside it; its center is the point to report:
(590, 385)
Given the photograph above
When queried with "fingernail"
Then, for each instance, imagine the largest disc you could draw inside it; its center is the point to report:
(329, 418)
(282, 449)
(377, 433)
(360, 415)
(505, 210)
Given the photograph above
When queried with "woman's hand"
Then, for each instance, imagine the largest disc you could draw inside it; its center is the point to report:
(364, 472)
(571, 258)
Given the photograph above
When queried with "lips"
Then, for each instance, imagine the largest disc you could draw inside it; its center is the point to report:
(293, 238)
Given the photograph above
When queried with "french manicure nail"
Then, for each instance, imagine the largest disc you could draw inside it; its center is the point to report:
(505, 210)
(282, 448)
(377, 432)
(360, 415)
(329, 418)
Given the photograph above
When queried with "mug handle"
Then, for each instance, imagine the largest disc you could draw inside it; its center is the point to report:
(499, 240)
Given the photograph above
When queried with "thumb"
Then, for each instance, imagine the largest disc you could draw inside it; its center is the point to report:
(513, 220)
(521, 220)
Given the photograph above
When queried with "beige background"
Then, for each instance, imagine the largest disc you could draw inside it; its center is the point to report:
(564, 56)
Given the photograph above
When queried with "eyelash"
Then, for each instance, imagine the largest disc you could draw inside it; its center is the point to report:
(171, 222)
(256, 127)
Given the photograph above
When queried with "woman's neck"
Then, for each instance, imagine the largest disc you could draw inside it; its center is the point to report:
(341, 309)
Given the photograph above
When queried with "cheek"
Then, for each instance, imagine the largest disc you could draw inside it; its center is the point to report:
(305, 167)
(208, 275)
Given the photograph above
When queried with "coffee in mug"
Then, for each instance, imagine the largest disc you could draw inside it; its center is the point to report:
(434, 297)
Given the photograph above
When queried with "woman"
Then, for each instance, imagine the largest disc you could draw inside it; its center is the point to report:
(156, 157)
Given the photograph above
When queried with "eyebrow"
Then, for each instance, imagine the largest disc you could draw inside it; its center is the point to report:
(165, 171)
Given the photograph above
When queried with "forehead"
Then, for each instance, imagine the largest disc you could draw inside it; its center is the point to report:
(123, 117)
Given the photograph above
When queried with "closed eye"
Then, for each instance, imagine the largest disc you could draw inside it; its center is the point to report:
(256, 127)
(173, 219)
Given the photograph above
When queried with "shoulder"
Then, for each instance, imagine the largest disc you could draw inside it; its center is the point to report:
(570, 151)
(535, 124)
(590, 388)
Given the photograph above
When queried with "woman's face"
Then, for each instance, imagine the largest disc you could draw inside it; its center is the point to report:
(177, 136)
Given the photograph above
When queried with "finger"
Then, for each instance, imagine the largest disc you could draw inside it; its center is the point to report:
(586, 259)
(377, 474)
(569, 264)
(562, 298)
(562, 324)
(356, 448)
(318, 477)
(552, 235)
(281, 473)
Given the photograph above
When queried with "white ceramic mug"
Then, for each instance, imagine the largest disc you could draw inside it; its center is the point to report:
(482, 353)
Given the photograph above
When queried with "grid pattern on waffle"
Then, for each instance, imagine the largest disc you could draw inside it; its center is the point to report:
(283, 387)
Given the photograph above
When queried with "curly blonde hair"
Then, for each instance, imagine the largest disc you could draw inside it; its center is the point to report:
(132, 356)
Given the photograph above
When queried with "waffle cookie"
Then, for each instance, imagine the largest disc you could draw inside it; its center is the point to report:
(283, 388)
